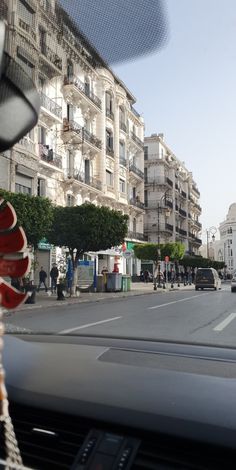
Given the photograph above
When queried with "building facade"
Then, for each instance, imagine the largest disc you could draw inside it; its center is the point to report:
(88, 144)
(226, 251)
(171, 197)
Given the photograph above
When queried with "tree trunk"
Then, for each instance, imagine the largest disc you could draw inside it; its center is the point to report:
(74, 292)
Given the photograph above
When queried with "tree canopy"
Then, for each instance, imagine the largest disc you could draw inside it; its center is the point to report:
(200, 262)
(34, 214)
(149, 251)
(87, 228)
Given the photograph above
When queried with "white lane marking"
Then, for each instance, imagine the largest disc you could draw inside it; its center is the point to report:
(180, 300)
(64, 332)
(225, 322)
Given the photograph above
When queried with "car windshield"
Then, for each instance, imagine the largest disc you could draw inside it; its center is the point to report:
(125, 186)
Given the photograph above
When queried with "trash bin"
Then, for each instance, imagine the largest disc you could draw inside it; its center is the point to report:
(128, 283)
(114, 281)
(124, 286)
(101, 283)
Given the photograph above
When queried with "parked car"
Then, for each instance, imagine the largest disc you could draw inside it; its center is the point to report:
(207, 278)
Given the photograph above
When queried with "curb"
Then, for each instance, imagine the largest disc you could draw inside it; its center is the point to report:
(8, 313)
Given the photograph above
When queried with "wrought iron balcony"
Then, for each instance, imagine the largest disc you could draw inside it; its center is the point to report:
(137, 140)
(123, 126)
(110, 114)
(123, 161)
(84, 134)
(198, 224)
(27, 28)
(136, 170)
(110, 152)
(135, 112)
(51, 56)
(136, 202)
(48, 155)
(169, 227)
(90, 181)
(194, 188)
(183, 193)
(169, 204)
(182, 232)
(169, 182)
(73, 80)
(136, 235)
(50, 105)
(183, 213)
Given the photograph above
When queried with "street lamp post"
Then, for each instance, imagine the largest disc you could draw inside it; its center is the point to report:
(211, 231)
(159, 210)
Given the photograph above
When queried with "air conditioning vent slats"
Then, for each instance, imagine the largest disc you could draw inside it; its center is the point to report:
(47, 439)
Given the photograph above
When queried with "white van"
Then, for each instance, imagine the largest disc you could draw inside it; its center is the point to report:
(207, 278)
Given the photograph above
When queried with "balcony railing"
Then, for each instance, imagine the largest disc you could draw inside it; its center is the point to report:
(169, 227)
(123, 126)
(137, 140)
(27, 28)
(169, 182)
(90, 181)
(135, 112)
(110, 114)
(110, 152)
(123, 161)
(194, 188)
(91, 138)
(198, 224)
(52, 57)
(169, 204)
(183, 213)
(155, 181)
(51, 105)
(136, 235)
(183, 193)
(136, 202)
(48, 155)
(182, 232)
(27, 144)
(198, 207)
(81, 86)
(84, 134)
(136, 170)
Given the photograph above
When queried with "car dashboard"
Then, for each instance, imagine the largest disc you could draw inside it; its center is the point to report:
(97, 403)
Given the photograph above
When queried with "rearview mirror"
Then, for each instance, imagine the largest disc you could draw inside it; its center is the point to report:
(19, 100)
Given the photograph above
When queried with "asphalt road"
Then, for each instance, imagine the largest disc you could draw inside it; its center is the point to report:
(196, 317)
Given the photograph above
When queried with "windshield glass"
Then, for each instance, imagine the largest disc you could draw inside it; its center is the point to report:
(125, 187)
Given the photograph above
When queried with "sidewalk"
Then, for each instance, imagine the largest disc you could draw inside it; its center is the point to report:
(43, 300)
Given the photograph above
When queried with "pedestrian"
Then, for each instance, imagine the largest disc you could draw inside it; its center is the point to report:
(42, 279)
(146, 276)
(54, 273)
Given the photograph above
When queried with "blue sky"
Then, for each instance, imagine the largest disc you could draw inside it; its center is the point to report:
(188, 92)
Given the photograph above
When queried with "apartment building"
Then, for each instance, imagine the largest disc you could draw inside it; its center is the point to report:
(227, 245)
(171, 197)
(88, 144)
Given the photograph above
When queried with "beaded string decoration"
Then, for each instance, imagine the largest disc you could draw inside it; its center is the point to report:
(14, 263)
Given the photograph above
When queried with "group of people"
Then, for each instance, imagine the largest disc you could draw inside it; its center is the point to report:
(186, 276)
(54, 273)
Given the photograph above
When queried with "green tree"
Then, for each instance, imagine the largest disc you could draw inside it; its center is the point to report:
(200, 262)
(34, 214)
(87, 228)
(149, 251)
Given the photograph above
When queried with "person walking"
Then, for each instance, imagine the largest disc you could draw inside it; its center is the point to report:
(54, 273)
(42, 279)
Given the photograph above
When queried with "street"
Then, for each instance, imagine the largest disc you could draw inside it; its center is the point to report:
(188, 316)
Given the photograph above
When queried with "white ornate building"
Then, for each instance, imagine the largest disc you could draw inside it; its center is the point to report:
(88, 144)
(226, 249)
(171, 191)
